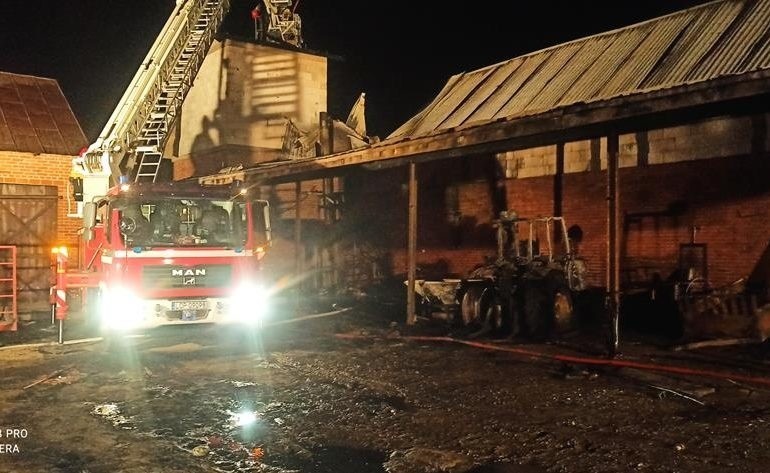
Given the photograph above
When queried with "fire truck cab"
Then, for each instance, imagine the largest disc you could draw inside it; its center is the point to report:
(176, 253)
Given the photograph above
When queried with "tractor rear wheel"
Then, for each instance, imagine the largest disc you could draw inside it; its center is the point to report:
(481, 310)
(548, 306)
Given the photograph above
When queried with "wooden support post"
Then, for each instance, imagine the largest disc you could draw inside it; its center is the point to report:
(558, 190)
(299, 253)
(613, 243)
(558, 182)
(411, 306)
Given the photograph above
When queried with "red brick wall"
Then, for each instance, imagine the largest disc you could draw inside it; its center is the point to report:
(728, 199)
(47, 170)
(378, 206)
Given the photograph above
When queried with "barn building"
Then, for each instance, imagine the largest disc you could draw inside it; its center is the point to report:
(652, 140)
(39, 136)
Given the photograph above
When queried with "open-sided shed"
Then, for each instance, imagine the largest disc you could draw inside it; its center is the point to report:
(680, 103)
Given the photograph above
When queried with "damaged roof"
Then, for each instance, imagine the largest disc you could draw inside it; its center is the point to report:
(721, 38)
(35, 117)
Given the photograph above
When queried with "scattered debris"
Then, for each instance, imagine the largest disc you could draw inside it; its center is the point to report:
(716, 343)
(571, 372)
(112, 413)
(426, 460)
(159, 390)
(679, 447)
(701, 392)
(200, 451)
(257, 453)
(278, 421)
(179, 348)
(242, 384)
(748, 389)
(44, 379)
(105, 410)
(677, 393)
(267, 364)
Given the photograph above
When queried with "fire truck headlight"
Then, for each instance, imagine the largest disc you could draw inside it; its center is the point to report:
(120, 309)
(249, 303)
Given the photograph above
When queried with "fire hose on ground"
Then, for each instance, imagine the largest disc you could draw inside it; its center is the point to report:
(577, 360)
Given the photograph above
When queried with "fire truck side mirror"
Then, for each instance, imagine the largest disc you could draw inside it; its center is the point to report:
(268, 231)
(89, 220)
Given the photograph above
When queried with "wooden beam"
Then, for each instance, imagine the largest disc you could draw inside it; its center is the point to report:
(411, 303)
(298, 232)
(613, 243)
(558, 182)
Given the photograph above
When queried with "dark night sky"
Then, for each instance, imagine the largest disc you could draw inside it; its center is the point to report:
(400, 55)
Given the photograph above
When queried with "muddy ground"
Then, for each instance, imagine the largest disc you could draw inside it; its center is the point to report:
(173, 401)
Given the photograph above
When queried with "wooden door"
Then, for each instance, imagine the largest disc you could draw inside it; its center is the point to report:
(28, 221)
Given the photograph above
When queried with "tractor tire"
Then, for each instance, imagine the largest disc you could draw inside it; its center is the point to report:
(561, 302)
(481, 310)
(537, 321)
(547, 305)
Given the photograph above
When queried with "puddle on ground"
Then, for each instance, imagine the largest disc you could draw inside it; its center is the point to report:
(337, 460)
(501, 467)
(234, 426)
(391, 402)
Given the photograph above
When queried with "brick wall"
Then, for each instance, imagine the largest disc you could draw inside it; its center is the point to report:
(47, 170)
(711, 176)
(316, 235)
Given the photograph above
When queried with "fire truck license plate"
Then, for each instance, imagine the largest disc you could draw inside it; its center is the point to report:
(189, 305)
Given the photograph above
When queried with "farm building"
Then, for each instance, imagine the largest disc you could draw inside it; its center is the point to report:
(651, 140)
(39, 136)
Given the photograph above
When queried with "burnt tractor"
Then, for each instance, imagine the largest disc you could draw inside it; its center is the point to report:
(528, 289)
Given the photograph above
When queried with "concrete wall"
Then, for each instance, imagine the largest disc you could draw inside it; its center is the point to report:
(709, 139)
(237, 109)
(710, 175)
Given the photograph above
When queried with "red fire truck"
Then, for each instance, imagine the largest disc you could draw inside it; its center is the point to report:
(157, 253)
(169, 253)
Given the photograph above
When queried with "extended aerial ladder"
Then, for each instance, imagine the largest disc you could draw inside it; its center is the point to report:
(132, 142)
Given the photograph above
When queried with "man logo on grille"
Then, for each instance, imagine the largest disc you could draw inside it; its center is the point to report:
(189, 272)
(188, 281)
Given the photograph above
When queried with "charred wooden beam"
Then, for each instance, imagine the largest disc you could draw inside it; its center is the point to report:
(298, 231)
(613, 243)
(411, 305)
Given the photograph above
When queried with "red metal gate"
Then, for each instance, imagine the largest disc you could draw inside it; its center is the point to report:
(9, 316)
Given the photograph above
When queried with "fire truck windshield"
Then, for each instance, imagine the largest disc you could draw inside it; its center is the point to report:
(182, 222)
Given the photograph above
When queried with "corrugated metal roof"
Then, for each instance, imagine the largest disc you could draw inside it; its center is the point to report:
(36, 118)
(725, 37)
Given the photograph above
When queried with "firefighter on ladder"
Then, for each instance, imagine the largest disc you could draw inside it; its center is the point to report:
(259, 27)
